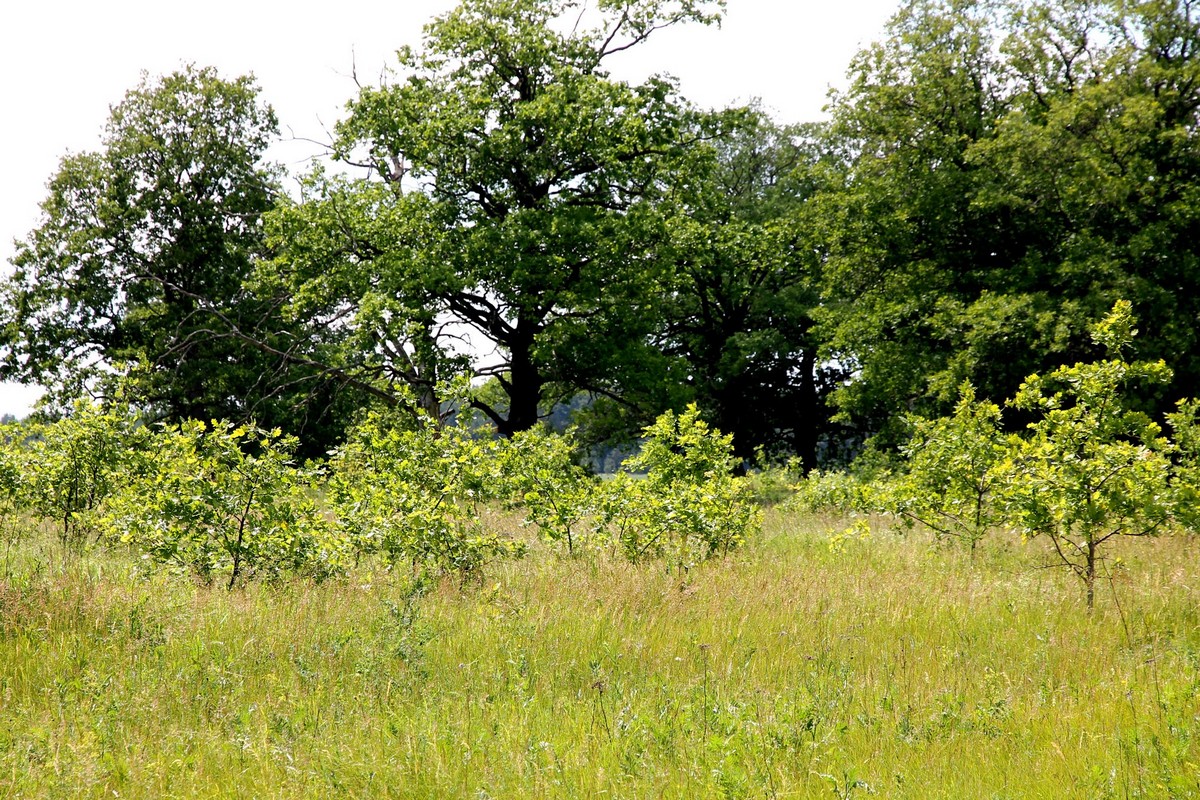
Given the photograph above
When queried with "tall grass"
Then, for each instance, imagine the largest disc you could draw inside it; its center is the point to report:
(791, 669)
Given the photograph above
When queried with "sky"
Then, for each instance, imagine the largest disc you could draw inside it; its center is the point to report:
(64, 63)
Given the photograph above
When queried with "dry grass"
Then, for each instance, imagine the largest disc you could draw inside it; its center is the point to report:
(882, 666)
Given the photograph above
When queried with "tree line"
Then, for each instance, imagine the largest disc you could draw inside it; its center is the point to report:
(995, 176)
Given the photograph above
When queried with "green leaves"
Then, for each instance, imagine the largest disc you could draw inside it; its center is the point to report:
(139, 262)
(687, 506)
(418, 494)
(540, 476)
(221, 499)
(1091, 468)
(512, 190)
(1088, 468)
(1010, 170)
(66, 471)
(951, 483)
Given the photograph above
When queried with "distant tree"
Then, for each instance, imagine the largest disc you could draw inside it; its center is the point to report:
(745, 285)
(140, 258)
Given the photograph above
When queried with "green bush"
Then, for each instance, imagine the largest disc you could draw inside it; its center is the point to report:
(69, 468)
(541, 478)
(225, 499)
(1090, 468)
(417, 494)
(688, 506)
(950, 485)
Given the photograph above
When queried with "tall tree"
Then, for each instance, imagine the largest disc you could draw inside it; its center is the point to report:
(510, 198)
(141, 255)
(745, 286)
(1012, 168)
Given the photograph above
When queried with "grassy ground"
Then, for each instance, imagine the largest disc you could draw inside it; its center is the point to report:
(885, 667)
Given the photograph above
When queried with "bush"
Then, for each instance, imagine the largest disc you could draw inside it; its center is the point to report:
(226, 499)
(688, 506)
(1090, 468)
(417, 494)
(950, 485)
(70, 467)
(541, 477)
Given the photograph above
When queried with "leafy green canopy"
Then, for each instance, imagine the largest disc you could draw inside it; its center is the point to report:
(140, 259)
(509, 197)
(739, 319)
(1011, 169)
(1091, 468)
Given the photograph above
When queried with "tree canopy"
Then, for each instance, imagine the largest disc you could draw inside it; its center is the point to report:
(502, 220)
(140, 259)
(1011, 170)
(512, 198)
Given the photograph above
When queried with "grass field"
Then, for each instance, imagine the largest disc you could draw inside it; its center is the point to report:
(884, 666)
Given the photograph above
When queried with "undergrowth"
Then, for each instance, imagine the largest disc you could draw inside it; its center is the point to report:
(807, 664)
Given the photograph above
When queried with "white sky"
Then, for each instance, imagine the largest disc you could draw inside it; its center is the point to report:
(63, 63)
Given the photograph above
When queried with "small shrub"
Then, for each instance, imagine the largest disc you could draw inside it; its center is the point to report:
(540, 476)
(226, 499)
(416, 494)
(839, 491)
(688, 505)
(950, 485)
(1090, 468)
(68, 468)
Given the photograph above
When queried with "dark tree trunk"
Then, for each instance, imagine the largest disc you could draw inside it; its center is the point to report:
(810, 419)
(525, 383)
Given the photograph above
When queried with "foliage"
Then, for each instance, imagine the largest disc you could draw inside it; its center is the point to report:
(1010, 170)
(510, 188)
(12, 528)
(1090, 469)
(223, 498)
(69, 468)
(139, 260)
(855, 489)
(772, 482)
(417, 493)
(1185, 435)
(688, 505)
(541, 477)
(951, 481)
(744, 285)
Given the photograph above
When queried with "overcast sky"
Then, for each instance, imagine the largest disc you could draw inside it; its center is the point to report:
(63, 63)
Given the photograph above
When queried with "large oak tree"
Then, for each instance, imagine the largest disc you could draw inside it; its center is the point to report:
(1012, 168)
(511, 196)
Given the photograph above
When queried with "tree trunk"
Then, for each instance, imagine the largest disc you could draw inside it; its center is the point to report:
(810, 419)
(525, 382)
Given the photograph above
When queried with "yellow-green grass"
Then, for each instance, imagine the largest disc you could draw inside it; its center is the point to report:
(791, 669)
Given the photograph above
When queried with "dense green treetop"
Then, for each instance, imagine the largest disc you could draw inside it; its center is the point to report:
(745, 283)
(1011, 169)
(141, 255)
(510, 191)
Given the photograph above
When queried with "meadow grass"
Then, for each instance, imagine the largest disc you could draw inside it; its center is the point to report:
(793, 668)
